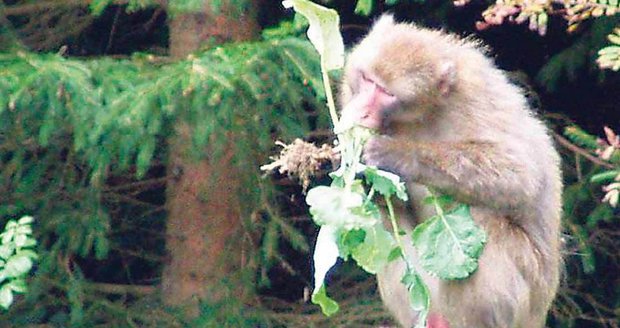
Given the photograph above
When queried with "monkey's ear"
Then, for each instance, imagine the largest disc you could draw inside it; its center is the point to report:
(383, 24)
(447, 77)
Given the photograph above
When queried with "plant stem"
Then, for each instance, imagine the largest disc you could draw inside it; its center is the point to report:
(328, 94)
(441, 215)
(388, 202)
(371, 193)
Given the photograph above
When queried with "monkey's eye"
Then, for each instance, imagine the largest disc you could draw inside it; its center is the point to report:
(384, 90)
(368, 81)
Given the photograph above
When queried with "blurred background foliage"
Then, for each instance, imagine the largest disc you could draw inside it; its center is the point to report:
(89, 100)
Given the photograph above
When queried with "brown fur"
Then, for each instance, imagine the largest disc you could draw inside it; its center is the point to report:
(463, 129)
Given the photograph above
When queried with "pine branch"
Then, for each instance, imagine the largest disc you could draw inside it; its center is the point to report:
(30, 8)
(578, 150)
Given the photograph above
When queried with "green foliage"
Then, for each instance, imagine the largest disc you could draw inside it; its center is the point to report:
(365, 7)
(373, 253)
(419, 296)
(573, 60)
(609, 57)
(284, 29)
(323, 31)
(328, 306)
(175, 6)
(16, 258)
(580, 137)
(229, 312)
(449, 243)
(67, 127)
(582, 216)
(386, 183)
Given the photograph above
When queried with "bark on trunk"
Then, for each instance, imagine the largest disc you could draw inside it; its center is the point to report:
(202, 201)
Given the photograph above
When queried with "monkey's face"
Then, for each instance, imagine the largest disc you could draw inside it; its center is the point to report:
(370, 101)
(380, 94)
(396, 76)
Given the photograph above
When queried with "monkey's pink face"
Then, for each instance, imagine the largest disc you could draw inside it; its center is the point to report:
(370, 102)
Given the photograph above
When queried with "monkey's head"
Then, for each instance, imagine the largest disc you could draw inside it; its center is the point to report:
(398, 72)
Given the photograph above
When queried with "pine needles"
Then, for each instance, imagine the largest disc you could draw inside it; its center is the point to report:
(68, 126)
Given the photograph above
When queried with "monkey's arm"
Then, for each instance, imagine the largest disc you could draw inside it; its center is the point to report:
(474, 172)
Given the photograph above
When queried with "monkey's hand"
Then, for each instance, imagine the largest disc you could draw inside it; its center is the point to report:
(389, 154)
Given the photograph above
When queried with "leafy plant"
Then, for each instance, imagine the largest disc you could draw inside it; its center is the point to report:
(609, 57)
(16, 258)
(536, 14)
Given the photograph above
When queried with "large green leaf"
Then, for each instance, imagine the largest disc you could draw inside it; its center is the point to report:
(386, 183)
(324, 31)
(374, 252)
(449, 244)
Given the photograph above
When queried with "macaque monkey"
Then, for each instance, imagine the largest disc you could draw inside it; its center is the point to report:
(448, 119)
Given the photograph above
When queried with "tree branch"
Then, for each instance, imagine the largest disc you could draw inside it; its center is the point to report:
(578, 150)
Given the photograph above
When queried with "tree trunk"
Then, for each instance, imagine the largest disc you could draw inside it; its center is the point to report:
(202, 199)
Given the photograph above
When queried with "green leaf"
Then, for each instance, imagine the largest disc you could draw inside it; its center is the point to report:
(20, 240)
(372, 255)
(449, 244)
(339, 207)
(395, 254)
(6, 296)
(6, 251)
(102, 247)
(588, 259)
(337, 180)
(324, 31)
(25, 220)
(18, 285)
(18, 265)
(9, 232)
(23, 230)
(29, 242)
(419, 297)
(580, 137)
(349, 240)
(363, 7)
(386, 183)
(144, 157)
(443, 201)
(328, 305)
(98, 6)
(605, 176)
(27, 253)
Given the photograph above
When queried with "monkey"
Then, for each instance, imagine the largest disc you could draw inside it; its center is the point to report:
(448, 120)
